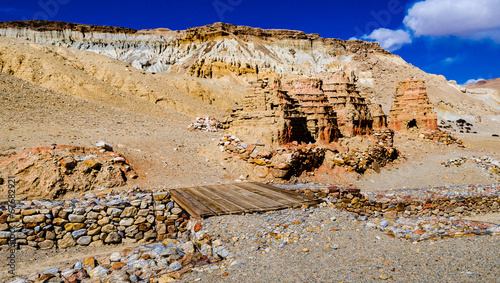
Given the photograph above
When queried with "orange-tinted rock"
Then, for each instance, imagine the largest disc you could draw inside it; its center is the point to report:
(412, 108)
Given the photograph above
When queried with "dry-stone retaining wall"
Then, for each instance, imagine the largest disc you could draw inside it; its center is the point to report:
(439, 201)
(94, 221)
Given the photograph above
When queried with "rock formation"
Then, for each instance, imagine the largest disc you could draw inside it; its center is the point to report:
(52, 171)
(304, 110)
(412, 108)
(352, 109)
(238, 54)
(274, 116)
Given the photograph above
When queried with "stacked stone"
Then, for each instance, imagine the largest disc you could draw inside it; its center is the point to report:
(94, 221)
(384, 137)
(442, 137)
(440, 201)
(292, 159)
(374, 157)
(488, 164)
(159, 262)
(456, 162)
(207, 124)
(424, 228)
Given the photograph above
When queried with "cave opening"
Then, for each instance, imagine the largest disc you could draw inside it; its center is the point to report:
(412, 124)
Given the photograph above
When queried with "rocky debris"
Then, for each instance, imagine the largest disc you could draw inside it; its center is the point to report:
(441, 137)
(207, 124)
(412, 108)
(104, 146)
(487, 163)
(456, 162)
(159, 262)
(290, 160)
(52, 171)
(450, 201)
(372, 154)
(424, 228)
(138, 216)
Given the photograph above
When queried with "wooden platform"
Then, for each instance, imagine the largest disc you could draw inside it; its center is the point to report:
(237, 198)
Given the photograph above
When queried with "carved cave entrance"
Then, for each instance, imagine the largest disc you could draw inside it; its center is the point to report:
(412, 124)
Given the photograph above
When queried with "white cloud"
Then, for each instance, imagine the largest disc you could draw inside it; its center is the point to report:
(473, 81)
(390, 39)
(475, 19)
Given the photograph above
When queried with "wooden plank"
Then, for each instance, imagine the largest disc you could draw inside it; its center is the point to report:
(263, 194)
(237, 198)
(231, 193)
(276, 195)
(288, 192)
(206, 202)
(247, 195)
(190, 204)
(215, 202)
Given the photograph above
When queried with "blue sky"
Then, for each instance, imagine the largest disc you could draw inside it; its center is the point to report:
(459, 39)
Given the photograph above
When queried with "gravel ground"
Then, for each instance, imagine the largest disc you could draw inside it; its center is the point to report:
(326, 245)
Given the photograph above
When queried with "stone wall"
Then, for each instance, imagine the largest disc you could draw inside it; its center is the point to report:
(440, 201)
(412, 108)
(95, 220)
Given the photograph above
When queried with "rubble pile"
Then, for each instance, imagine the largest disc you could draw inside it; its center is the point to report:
(159, 262)
(456, 162)
(377, 155)
(52, 171)
(488, 164)
(207, 124)
(442, 137)
(290, 160)
(424, 228)
(94, 221)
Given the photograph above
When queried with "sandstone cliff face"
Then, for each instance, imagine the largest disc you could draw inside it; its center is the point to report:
(238, 54)
(280, 51)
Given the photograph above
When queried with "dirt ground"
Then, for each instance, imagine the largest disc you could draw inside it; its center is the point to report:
(156, 142)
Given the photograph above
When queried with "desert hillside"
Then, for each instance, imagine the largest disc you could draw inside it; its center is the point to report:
(233, 55)
(492, 84)
(228, 153)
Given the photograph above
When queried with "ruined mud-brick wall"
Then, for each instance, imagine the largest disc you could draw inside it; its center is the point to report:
(353, 112)
(304, 110)
(412, 108)
(380, 153)
(274, 116)
(378, 116)
(93, 221)
(261, 115)
(314, 105)
(291, 159)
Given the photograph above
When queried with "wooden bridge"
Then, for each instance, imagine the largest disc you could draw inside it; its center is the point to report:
(237, 198)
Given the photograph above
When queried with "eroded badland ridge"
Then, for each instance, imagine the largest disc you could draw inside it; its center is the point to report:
(98, 124)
